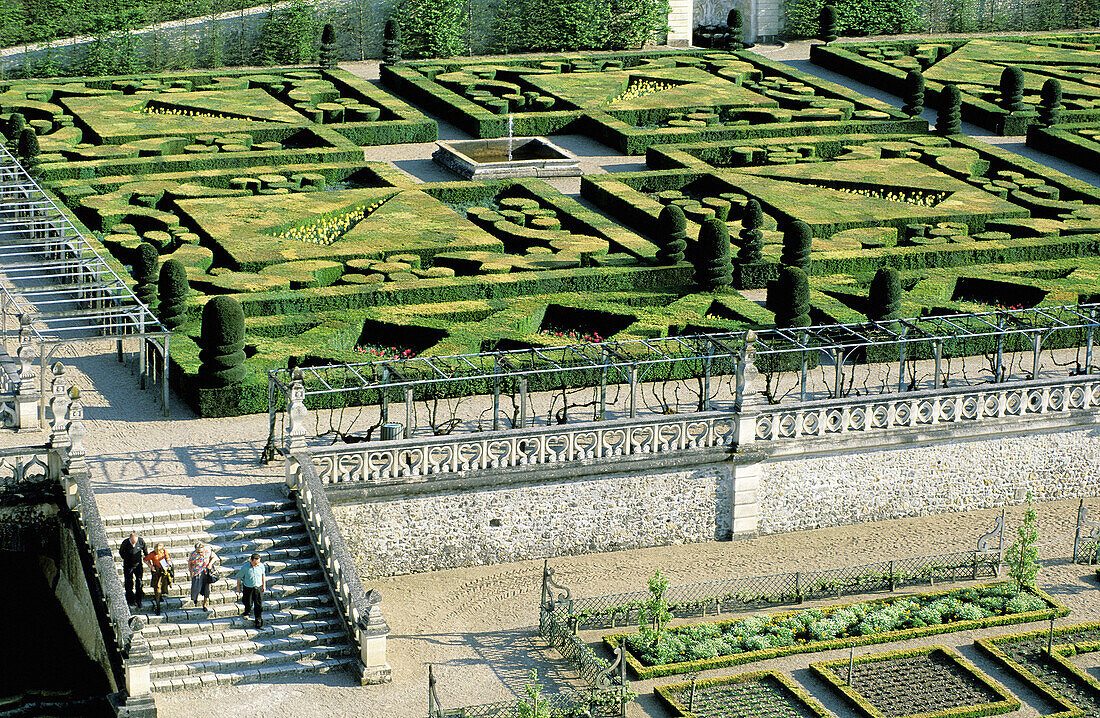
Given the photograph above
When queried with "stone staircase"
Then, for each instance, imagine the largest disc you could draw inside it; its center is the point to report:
(302, 629)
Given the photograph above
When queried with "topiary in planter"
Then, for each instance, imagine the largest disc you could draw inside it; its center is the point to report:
(1050, 103)
(713, 268)
(671, 235)
(949, 116)
(1012, 89)
(172, 290)
(15, 126)
(735, 21)
(914, 93)
(145, 273)
(789, 298)
(752, 239)
(391, 42)
(884, 295)
(826, 21)
(796, 246)
(328, 46)
(221, 343)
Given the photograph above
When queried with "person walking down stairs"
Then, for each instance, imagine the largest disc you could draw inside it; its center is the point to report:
(132, 551)
(203, 573)
(253, 576)
(160, 566)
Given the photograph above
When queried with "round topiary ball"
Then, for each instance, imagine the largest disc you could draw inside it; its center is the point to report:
(221, 343)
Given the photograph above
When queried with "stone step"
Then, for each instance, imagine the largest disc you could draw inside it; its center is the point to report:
(201, 524)
(195, 619)
(270, 533)
(307, 563)
(264, 671)
(223, 591)
(293, 548)
(245, 661)
(260, 644)
(199, 512)
(241, 631)
(157, 628)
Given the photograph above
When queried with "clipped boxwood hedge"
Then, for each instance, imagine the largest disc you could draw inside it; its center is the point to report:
(790, 690)
(644, 672)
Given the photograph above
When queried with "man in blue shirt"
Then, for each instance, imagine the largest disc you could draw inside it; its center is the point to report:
(253, 577)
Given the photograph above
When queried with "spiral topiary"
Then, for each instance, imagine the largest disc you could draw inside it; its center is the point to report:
(671, 234)
(796, 246)
(1050, 103)
(789, 298)
(145, 273)
(328, 47)
(14, 127)
(1012, 89)
(949, 116)
(735, 21)
(752, 239)
(221, 343)
(826, 21)
(914, 93)
(713, 268)
(172, 291)
(391, 42)
(884, 295)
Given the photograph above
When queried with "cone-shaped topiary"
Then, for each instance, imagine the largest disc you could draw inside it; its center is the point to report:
(1012, 89)
(28, 147)
(671, 234)
(172, 291)
(826, 21)
(735, 21)
(796, 246)
(949, 116)
(914, 93)
(328, 46)
(884, 295)
(221, 343)
(752, 239)
(789, 298)
(1050, 103)
(15, 126)
(713, 268)
(391, 42)
(145, 273)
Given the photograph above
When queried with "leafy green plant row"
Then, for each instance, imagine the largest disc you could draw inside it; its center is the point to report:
(980, 619)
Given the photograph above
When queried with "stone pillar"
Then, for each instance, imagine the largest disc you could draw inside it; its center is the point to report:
(680, 23)
(59, 404)
(74, 429)
(27, 395)
(296, 416)
(136, 666)
(373, 649)
(745, 494)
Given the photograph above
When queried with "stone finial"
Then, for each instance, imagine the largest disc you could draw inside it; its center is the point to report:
(74, 428)
(59, 401)
(746, 371)
(26, 355)
(296, 412)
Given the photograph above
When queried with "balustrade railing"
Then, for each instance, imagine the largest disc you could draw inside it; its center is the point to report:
(929, 408)
(27, 463)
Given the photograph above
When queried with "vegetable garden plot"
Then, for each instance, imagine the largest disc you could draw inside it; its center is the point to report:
(975, 66)
(764, 694)
(927, 681)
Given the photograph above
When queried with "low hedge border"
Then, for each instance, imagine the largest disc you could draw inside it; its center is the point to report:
(991, 647)
(793, 692)
(1065, 144)
(1006, 704)
(643, 672)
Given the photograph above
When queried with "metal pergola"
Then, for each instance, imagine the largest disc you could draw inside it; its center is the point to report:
(56, 290)
(629, 360)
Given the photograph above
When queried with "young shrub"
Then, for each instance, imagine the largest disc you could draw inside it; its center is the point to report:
(884, 295)
(15, 126)
(172, 290)
(221, 343)
(1012, 89)
(949, 116)
(145, 274)
(1022, 556)
(789, 298)
(752, 239)
(796, 246)
(671, 235)
(391, 42)
(653, 617)
(713, 267)
(327, 58)
(1050, 103)
(826, 22)
(914, 93)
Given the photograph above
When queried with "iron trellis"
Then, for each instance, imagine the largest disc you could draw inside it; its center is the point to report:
(59, 291)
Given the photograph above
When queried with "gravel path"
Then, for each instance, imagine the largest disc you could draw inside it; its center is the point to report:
(476, 625)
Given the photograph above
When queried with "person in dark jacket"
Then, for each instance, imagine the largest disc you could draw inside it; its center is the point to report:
(133, 552)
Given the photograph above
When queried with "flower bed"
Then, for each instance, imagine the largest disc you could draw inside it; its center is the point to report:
(704, 646)
(932, 681)
(762, 694)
